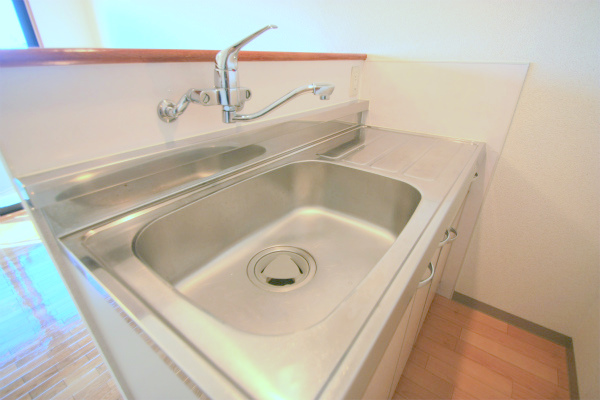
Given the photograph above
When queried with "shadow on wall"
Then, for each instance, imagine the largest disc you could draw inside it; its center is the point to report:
(534, 229)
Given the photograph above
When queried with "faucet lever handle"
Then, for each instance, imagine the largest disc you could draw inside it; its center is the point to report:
(227, 59)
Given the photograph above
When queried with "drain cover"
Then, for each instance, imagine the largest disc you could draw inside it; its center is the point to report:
(281, 268)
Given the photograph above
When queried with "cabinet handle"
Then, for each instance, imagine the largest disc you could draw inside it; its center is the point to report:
(429, 278)
(446, 238)
(452, 239)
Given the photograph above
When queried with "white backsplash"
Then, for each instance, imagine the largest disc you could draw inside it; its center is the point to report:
(77, 113)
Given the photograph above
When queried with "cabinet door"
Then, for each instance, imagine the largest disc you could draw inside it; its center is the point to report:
(381, 385)
(412, 330)
(443, 251)
(446, 248)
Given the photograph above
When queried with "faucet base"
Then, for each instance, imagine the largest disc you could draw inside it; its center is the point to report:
(165, 111)
(228, 116)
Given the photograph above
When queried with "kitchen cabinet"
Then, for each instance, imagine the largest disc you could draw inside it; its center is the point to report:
(445, 245)
(390, 369)
(384, 382)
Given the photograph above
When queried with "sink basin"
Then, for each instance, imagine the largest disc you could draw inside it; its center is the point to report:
(284, 277)
(278, 252)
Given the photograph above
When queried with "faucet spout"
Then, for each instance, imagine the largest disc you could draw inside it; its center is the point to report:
(323, 90)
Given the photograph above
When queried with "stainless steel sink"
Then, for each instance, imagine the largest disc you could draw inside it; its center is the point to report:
(227, 253)
(285, 276)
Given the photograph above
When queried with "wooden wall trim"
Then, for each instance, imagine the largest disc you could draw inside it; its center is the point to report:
(30, 57)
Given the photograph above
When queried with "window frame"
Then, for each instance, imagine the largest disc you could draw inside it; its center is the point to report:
(26, 22)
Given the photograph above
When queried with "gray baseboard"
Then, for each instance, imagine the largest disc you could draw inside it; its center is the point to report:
(531, 327)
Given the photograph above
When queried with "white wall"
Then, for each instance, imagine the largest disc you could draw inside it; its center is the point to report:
(535, 250)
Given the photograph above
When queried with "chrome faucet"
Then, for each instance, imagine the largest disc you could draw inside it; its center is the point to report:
(229, 94)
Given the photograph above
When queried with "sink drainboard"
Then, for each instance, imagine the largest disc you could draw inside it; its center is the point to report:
(281, 268)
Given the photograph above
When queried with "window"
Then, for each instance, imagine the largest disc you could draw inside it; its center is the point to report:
(16, 29)
(16, 32)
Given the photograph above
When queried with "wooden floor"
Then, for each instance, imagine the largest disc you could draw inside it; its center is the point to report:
(45, 350)
(465, 354)
(47, 353)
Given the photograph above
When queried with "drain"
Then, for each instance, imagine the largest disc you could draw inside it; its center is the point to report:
(281, 268)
